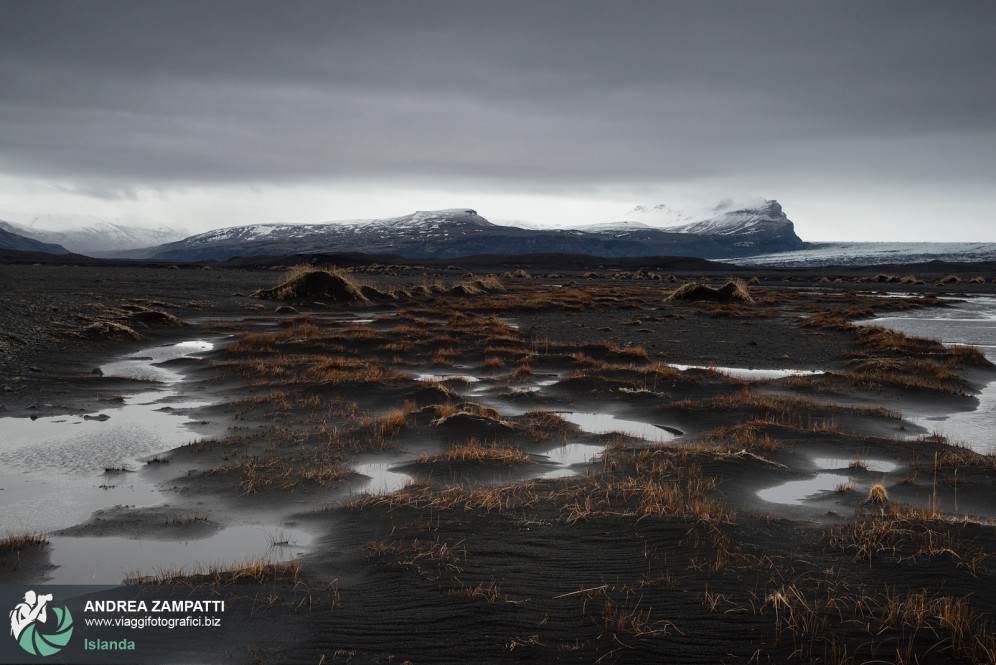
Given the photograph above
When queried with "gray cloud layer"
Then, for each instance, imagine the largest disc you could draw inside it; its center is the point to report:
(110, 95)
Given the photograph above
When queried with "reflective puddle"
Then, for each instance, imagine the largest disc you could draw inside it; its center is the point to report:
(109, 559)
(878, 466)
(428, 376)
(142, 366)
(752, 374)
(569, 455)
(142, 424)
(382, 479)
(604, 423)
(46, 501)
(794, 492)
(575, 453)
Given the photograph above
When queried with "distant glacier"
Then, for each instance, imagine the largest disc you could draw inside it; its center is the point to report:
(819, 254)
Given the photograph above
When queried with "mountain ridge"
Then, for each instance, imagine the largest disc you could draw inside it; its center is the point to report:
(459, 232)
(15, 241)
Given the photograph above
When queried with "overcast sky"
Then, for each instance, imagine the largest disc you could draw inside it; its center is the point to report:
(868, 120)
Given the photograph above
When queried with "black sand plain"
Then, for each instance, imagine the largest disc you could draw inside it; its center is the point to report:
(652, 552)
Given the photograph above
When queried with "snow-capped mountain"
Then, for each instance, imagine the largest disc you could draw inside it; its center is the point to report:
(749, 227)
(462, 232)
(86, 234)
(726, 218)
(378, 235)
(739, 221)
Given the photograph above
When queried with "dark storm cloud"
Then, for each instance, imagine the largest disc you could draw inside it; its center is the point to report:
(118, 93)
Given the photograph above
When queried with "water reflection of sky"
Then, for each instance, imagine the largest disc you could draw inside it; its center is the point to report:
(52, 467)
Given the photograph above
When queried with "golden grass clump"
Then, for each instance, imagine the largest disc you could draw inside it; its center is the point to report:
(449, 409)
(877, 495)
(389, 424)
(338, 370)
(474, 450)
(661, 486)
(493, 498)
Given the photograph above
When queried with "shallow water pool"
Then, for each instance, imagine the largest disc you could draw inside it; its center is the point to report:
(52, 468)
(794, 492)
(605, 423)
(108, 559)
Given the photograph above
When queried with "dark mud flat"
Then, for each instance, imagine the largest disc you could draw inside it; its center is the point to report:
(479, 547)
(46, 310)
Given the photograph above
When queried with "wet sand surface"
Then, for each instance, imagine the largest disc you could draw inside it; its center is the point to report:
(531, 469)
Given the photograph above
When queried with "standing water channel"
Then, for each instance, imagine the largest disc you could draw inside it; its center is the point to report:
(969, 322)
(972, 322)
(57, 471)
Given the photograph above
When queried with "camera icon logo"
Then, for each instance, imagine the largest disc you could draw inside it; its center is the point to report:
(30, 627)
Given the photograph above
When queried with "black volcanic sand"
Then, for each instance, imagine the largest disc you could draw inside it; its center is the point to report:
(650, 553)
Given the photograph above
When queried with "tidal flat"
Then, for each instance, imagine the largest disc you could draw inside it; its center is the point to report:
(440, 465)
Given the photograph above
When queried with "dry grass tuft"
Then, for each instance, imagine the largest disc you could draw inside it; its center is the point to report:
(15, 542)
(416, 551)
(832, 624)
(251, 571)
(904, 533)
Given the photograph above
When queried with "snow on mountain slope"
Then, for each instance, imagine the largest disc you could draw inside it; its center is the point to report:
(17, 242)
(423, 221)
(664, 215)
(85, 233)
(614, 227)
(349, 235)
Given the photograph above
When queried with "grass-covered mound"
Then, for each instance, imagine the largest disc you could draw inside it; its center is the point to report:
(733, 291)
(110, 330)
(307, 283)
